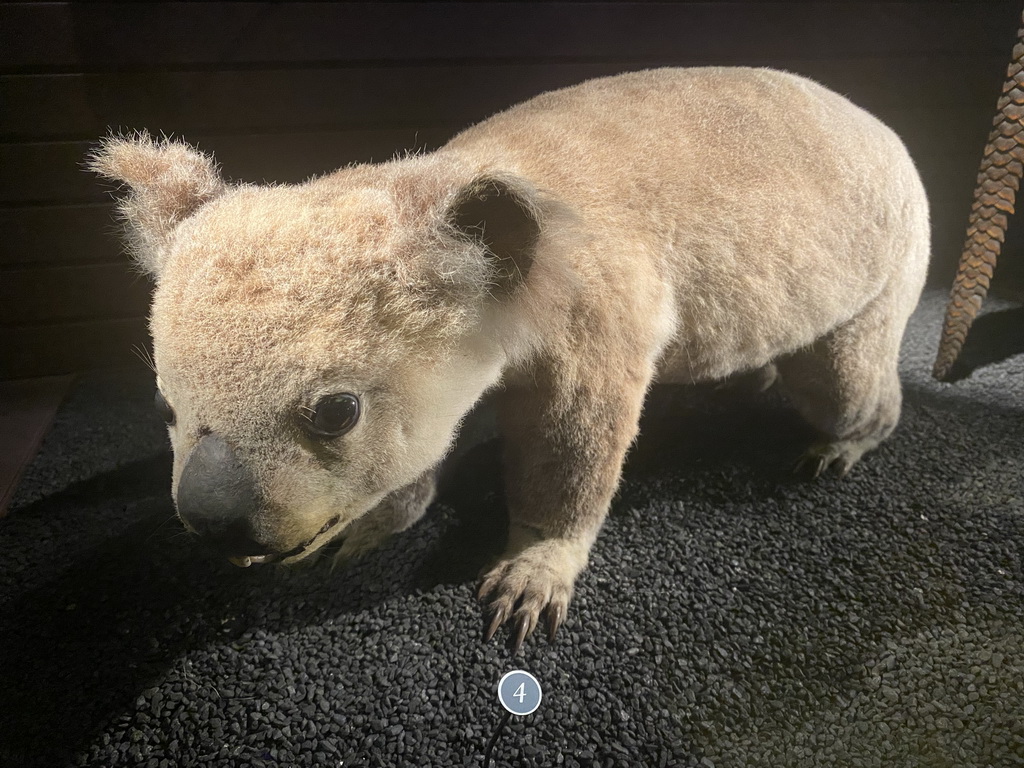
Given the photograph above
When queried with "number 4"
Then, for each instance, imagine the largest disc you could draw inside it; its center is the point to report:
(519, 692)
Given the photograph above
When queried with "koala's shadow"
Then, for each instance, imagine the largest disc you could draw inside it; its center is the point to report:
(994, 337)
(78, 648)
(712, 441)
(716, 441)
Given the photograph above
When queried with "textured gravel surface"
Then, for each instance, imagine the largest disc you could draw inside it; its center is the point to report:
(730, 616)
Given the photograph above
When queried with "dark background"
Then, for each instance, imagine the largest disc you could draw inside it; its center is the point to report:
(282, 91)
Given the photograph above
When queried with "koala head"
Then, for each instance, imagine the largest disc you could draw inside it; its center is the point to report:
(316, 345)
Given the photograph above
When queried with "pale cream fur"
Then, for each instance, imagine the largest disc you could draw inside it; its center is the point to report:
(692, 224)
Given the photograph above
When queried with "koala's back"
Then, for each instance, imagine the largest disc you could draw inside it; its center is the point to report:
(755, 209)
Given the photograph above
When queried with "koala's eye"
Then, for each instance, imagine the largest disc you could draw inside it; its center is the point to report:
(164, 408)
(334, 415)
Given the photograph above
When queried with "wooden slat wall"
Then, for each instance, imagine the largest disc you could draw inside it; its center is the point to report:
(281, 91)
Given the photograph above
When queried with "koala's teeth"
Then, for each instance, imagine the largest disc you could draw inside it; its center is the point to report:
(244, 561)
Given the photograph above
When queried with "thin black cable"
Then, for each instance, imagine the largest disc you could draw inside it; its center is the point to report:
(494, 739)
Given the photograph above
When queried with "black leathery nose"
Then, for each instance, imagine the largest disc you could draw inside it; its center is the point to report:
(217, 495)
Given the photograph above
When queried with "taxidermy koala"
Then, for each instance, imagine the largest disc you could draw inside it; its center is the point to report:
(318, 345)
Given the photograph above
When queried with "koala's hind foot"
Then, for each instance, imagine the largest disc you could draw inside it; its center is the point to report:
(396, 512)
(847, 386)
(839, 455)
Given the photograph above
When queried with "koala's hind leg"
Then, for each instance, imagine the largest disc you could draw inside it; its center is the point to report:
(847, 386)
(396, 512)
(565, 441)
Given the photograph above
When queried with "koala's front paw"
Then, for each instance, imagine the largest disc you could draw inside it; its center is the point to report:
(535, 580)
(366, 534)
(394, 514)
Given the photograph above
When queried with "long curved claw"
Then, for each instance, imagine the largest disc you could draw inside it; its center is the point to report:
(810, 466)
(527, 623)
(524, 628)
(555, 615)
(487, 586)
(843, 466)
(500, 614)
(819, 466)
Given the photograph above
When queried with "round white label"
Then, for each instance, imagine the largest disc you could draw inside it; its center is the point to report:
(519, 692)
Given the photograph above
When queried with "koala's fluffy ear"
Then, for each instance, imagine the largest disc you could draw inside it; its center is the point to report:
(168, 182)
(501, 215)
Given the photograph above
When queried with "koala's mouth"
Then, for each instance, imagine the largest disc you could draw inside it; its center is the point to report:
(244, 561)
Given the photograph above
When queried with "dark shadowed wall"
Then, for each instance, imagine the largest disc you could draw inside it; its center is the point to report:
(282, 91)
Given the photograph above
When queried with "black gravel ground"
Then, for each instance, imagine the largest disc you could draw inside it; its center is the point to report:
(730, 616)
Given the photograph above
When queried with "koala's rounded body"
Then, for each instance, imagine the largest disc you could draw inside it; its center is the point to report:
(668, 225)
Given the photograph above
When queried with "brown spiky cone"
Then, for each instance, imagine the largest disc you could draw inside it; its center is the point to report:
(994, 196)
